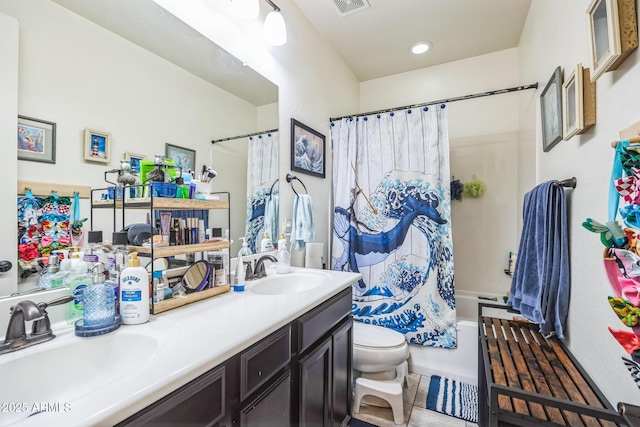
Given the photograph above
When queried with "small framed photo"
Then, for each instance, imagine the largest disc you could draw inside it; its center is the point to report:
(551, 111)
(612, 32)
(36, 140)
(307, 150)
(97, 145)
(134, 161)
(184, 157)
(578, 102)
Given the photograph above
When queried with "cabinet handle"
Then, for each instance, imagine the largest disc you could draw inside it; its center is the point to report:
(259, 373)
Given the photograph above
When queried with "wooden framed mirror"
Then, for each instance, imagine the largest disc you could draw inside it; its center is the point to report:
(578, 102)
(613, 34)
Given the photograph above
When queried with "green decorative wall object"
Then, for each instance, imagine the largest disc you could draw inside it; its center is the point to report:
(474, 188)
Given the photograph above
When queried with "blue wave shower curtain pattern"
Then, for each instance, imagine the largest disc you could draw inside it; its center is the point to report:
(262, 189)
(392, 221)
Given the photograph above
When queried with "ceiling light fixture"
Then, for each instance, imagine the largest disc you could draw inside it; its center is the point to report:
(275, 30)
(420, 47)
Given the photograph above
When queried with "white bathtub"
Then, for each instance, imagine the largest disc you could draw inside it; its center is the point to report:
(460, 363)
(467, 303)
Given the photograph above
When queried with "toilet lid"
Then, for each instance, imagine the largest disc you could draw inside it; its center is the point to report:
(376, 336)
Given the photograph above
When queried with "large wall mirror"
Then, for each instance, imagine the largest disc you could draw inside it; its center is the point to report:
(164, 38)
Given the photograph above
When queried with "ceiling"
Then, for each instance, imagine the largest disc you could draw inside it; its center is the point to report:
(374, 41)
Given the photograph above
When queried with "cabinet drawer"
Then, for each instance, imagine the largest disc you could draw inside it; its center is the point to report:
(263, 360)
(313, 325)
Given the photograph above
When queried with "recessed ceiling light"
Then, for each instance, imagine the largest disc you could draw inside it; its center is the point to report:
(420, 47)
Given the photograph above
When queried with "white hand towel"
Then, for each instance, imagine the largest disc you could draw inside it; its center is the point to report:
(271, 217)
(303, 229)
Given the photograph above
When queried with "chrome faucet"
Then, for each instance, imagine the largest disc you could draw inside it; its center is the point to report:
(16, 337)
(258, 271)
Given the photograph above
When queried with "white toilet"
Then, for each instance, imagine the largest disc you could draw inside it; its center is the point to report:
(380, 366)
(377, 351)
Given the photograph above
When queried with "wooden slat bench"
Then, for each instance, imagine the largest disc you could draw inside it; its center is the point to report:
(527, 380)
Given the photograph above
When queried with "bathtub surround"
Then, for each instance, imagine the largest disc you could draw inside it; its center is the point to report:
(540, 285)
(392, 220)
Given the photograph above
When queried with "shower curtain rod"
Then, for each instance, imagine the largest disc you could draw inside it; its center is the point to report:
(440, 101)
(213, 141)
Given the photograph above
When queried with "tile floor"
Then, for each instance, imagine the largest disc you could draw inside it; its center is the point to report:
(415, 414)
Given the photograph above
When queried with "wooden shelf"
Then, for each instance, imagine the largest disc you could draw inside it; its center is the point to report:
(175, 302)
(162, 203)
(165, 251)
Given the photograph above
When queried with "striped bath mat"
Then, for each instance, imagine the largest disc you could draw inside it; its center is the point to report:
(453, 398)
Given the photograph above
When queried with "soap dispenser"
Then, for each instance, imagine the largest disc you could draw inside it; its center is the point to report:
(99, 299)
(53, 267)
(284, 257)
(244, 250)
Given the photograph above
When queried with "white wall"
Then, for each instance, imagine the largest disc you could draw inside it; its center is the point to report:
(314, 85)
(556, 35)
(483, 141)
(76, 74)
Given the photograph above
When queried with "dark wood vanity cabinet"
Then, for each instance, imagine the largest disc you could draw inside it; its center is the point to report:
(322, 366)
(300, 375)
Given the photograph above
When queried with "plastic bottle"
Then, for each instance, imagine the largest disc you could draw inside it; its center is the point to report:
(238, 286)
(226, 260)
(96, 252)
(53, 267)
(284, 257)
(134, 292)
(244, 250)
(77, 283)
(158, 286)
(99, 300)
(57, 279)
(266, 244)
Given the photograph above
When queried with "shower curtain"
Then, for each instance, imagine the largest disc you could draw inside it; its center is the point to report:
(392, 221)
(262, 189)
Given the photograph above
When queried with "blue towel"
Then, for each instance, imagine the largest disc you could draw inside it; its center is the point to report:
(271, 217)
(540, 284)
(303, 229)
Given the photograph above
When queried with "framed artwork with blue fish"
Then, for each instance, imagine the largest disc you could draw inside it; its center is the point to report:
(307, 150)
(36, 140)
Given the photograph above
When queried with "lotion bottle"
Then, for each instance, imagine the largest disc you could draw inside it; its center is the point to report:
(134, 292)
(266, 245)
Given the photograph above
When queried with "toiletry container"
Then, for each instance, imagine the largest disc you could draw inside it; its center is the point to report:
(99, 300)
(53, 267)
(266, 245)
(97, 252)
(134, 292)
(284, 257)
(238, 286)
(244, 250)
(77, 282)
(158, 286)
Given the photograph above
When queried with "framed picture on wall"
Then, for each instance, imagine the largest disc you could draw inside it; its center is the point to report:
(184, 157)
(612, 33)
(307, 150)
(134, 161)
(551, 111)
(36, 140)
(578, 102)
(97, 145)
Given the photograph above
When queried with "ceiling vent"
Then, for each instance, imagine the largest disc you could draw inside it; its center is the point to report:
(347, 7)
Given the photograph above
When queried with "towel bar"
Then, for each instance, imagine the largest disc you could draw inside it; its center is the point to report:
(293, 177)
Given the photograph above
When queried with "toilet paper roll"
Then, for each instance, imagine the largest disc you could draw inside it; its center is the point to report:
(297, 257)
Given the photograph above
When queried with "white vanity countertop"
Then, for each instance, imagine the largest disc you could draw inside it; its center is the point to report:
(191, 340)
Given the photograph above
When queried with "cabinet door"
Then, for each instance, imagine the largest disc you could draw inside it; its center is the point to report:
(199, 403)
(272, 408)
(342, 343)
(315, 372)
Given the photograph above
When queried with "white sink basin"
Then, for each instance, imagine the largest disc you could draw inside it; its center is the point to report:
(292, 283)
(50, 375)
